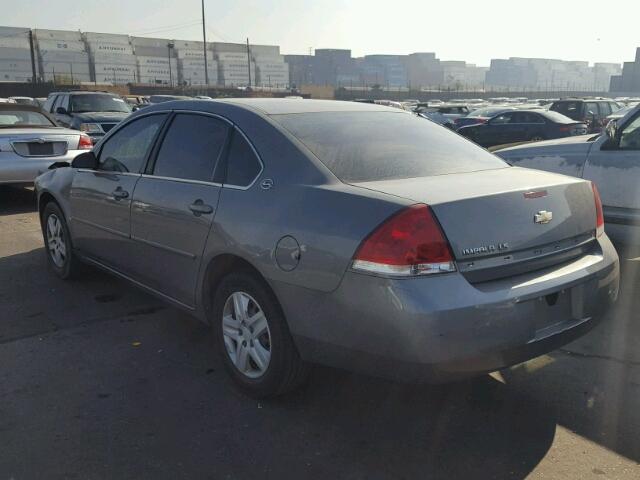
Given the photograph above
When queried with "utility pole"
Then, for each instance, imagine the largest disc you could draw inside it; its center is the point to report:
(170, 45)
(249, 61)
(204, 38)
(33, 56)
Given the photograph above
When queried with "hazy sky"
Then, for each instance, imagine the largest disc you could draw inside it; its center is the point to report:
(471, 30)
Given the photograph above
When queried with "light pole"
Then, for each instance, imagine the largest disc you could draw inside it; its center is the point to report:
(170, 45)
(204, 38)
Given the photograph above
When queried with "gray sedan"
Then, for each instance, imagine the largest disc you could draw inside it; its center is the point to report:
(339, 233)
(31, 141)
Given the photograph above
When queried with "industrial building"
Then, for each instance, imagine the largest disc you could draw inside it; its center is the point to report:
(629, 80)
(549, 74)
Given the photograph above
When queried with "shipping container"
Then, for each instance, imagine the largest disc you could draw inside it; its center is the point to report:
(65, 35)
(64, 67)
(61, 45)
(143, 42)
(156, 61)
(14, 42)
(187, 45)
(66, 78)
(188, 54)
(106, 38)
(62, 56)
(154, 80)
(155, 51)
(110, 48)
(15, 65)
(111, 58)
(16, 76)
(157, 72)
(15, 54)
(189, 64)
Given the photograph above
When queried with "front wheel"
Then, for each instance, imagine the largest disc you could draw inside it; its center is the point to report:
(57, 242)
(253, 338)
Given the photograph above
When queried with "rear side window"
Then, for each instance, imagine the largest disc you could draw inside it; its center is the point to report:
(591, 107)
(243, 165)
(48, 104)
(370, 146)
(191, 148)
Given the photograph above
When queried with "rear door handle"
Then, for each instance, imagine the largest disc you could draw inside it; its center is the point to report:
(119, 193)
(200, 208)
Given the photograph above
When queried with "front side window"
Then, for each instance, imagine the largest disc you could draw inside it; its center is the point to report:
(630, 138)
(502, 119)
(243, 166)
(191, 148)
(371, 146)
(127, 149)
(591, 109)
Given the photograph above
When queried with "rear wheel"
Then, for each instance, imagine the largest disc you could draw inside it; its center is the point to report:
(253, 337)
(57, 242)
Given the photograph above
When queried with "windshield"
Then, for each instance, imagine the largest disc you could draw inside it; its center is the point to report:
(369, 146)
(98, 103)
(23, 118)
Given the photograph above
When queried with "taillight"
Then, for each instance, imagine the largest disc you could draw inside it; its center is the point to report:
(599, 213)
(409, 243)
(564, 129)
(85, 142)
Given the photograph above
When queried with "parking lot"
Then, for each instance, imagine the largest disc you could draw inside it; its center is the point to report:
(99, 380)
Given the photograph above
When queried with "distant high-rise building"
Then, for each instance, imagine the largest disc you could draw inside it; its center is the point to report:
(629, 80)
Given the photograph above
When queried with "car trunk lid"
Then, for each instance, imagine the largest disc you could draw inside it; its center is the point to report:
(507, 221)
(38, 142)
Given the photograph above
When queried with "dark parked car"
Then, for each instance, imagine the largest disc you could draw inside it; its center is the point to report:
(340, 233)
(451, 110)
(482, 115)
(592, 112)
(94, 113)
(522, 126)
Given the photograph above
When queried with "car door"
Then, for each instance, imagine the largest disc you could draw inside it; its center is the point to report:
(591, 116)
(100, 199)
(615, 168)
(495, 131)
(175, 202)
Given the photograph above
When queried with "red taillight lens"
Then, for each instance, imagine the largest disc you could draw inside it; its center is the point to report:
(564, 129)
(85, 142)
(599, 213)
(409, 243)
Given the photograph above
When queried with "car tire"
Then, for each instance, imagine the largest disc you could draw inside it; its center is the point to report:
(57, 243)
(536, 138)
(256, 346)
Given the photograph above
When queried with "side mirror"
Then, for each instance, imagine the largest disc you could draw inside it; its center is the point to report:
(85, 160)
(61, 111)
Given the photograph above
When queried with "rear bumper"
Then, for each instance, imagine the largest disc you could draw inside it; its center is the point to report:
(443, 328)
(15, 169)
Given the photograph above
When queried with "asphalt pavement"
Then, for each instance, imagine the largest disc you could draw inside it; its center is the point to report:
(99, 380)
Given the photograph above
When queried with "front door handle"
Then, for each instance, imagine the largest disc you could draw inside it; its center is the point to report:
(200, 208)
(119, 193)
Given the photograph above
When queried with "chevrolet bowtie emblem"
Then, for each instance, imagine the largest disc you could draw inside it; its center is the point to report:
(543, 217)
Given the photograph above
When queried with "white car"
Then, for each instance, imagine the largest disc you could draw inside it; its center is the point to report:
(611, 160)
(31, 141)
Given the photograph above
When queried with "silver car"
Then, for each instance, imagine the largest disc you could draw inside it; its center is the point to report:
(31, 141)
(346, 234)
(611, 159)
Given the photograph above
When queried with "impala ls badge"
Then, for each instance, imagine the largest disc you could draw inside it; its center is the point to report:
(543, 217)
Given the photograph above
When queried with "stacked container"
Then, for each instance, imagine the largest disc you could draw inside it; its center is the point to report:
(233, 65)
(15, 55)
(62, 56)
(112, 58)
(191, 63)
(155, 61)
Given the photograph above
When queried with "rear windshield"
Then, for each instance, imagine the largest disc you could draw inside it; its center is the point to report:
(557, 117)
(23, 118)
(370, 146)
(98, 103)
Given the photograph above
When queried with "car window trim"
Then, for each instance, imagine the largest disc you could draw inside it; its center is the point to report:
(151, 161)
(236, 130)
(122, 125)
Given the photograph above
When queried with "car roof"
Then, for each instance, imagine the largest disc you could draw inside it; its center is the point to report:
(276, 106)
(84, 92)
(273, 106)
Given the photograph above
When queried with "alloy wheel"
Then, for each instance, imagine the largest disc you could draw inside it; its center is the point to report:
(55, 241)
(246, 334)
